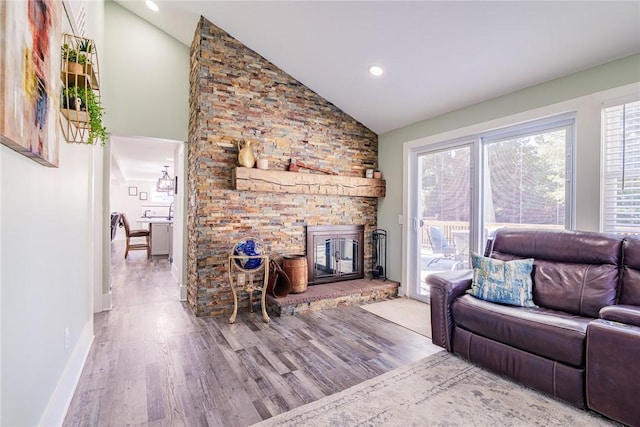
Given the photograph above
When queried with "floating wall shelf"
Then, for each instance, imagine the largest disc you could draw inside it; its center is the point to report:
(273, 181)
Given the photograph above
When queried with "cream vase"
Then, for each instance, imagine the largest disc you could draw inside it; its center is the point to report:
(245, 155)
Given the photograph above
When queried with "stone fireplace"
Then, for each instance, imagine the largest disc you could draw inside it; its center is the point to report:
(236, 95)
(335, 253)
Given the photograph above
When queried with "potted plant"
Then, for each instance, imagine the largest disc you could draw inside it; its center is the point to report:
(71, 100)
(85, 46)
(75, 59)
(85, 49)
(87, 112)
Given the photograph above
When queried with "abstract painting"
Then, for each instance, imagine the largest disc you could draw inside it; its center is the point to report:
(30, 78)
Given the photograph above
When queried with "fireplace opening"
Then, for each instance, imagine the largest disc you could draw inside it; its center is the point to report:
(335, 253)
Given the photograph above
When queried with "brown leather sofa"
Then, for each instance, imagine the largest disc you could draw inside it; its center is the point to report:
(582, 343)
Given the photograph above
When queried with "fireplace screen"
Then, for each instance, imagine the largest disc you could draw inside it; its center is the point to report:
(334, 253)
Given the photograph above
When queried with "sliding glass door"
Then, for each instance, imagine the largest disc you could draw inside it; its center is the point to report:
(444, 213)
(462, 192)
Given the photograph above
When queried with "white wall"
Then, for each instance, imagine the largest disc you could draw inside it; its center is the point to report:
(46, 274)
(102, 290)
(179, 224)
(100, 275)
(46, 239)
(490, 113)
(146, 72)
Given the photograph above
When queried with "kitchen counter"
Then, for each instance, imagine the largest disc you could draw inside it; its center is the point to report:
(155, 220)
(161, 234)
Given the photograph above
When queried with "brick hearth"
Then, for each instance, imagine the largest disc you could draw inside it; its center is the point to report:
(331, 295)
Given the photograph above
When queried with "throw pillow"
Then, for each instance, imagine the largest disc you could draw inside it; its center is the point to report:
(504, 282)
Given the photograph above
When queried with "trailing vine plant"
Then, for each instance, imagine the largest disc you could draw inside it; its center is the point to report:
(88, 103)
(97, 131)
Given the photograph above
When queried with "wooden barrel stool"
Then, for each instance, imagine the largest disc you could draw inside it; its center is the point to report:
(296, 268)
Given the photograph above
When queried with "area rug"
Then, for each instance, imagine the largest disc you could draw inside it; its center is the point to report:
(440, 390)
(411, 314)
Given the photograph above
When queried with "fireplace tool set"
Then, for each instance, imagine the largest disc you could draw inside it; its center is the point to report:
(379, 255)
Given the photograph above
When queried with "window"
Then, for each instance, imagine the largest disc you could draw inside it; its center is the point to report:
(158, 196)
(526, 175)
(621, 168)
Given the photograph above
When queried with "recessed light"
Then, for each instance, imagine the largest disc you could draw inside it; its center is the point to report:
(151, 5)
(376, 70)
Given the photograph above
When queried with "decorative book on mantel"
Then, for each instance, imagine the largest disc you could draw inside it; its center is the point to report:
(273, 181)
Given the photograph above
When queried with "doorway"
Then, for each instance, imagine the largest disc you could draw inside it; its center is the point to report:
(134, 167)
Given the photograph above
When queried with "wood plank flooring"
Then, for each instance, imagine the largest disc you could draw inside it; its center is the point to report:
(154, 363)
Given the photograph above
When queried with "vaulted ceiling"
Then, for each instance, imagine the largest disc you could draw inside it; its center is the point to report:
(438, 56)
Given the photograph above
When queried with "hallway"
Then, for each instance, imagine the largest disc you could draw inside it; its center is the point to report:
(153, 363)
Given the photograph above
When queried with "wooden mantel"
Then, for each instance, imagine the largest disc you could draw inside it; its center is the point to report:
(274, 181)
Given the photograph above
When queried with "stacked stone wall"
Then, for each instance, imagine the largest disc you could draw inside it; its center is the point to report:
(236, 95)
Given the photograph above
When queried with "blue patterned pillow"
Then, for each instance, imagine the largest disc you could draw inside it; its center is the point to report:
(504, 282)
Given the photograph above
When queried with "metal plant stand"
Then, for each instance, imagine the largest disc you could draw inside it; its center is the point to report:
(379, 255)
(243, 280)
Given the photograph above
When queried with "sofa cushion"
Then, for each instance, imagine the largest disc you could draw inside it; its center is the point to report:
(581, 247)
(581, 289)
(505, 282)
(573, 271)
(547, 333)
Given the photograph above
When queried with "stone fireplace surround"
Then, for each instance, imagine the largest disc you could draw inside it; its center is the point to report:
(235, 95)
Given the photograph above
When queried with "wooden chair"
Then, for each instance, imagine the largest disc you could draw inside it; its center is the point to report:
(133, 234)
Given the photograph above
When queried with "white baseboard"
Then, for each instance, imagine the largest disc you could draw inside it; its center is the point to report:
(62, 395)
(177, 275)
(402, 290)
(107, 303)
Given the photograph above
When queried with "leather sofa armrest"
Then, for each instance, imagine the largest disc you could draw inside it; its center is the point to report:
(444, 288)
(612, 369)
(628, 314)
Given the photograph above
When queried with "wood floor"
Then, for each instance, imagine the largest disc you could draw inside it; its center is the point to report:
(154, 363)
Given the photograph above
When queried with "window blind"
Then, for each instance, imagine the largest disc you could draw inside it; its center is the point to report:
(621, 169)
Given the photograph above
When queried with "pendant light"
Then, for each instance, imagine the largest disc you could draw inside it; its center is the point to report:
(165, 183)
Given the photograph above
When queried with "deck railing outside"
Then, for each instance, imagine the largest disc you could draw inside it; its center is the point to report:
(449, 227)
